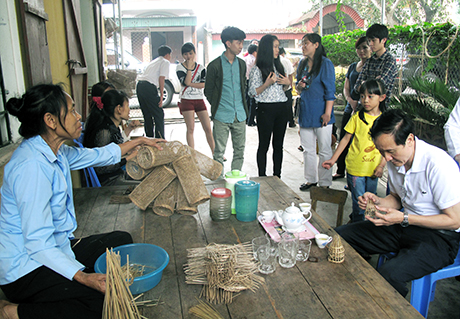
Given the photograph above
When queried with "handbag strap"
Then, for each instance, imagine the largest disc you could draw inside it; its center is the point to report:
(193, 76)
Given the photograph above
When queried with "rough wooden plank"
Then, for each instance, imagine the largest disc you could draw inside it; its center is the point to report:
(103, 215)
(84, 200)
(158, 232)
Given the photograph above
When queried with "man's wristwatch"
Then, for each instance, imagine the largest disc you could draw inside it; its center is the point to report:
(405, 221)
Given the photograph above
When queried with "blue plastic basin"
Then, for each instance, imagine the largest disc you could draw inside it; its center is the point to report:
(142, 254)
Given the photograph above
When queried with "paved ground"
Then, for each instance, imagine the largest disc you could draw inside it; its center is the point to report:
(446, 303)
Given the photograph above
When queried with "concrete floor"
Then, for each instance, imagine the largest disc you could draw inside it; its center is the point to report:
(447, 298)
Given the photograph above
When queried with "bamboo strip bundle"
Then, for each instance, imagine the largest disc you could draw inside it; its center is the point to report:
(190, 179)
(205, 311)
(182, 205)
(152, 186)
(135, 171)
(165, 202)
(149, 156)
(223, 270)
(118, 301)
(208, 167)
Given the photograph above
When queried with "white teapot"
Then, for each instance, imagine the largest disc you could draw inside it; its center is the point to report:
(292, 217)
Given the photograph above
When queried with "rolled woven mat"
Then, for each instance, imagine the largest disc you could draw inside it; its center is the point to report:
(190, 179)
(208, 167)
(182, 205)
(152, 186)
(149, 156)
(165, 202)
(135, 171)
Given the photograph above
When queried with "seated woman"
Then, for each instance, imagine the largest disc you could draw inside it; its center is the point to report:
(44, 271)
(103, 127)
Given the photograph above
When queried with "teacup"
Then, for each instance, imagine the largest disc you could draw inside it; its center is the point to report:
(305, 207)
(267, 216)
(322, 240)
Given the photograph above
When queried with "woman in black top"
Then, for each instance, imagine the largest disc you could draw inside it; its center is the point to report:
(103, 127)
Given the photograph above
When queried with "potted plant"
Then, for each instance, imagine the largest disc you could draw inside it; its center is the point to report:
(430, 108)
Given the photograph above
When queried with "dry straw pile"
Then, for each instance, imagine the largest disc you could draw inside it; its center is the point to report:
(223, 270)
(171, 178)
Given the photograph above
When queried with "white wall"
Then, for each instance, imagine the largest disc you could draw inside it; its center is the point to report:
(10, 53)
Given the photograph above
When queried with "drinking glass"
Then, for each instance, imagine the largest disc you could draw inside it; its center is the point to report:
(257, 242)
(267, 259)
(304, 250)
(287, 251)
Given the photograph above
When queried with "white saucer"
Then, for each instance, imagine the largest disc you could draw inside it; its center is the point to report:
(297, 230)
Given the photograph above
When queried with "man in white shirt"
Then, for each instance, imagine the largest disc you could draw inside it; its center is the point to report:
(452, 133)
(421, 214)
(149, 91)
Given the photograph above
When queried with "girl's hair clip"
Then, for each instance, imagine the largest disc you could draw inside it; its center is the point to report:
(98, 101)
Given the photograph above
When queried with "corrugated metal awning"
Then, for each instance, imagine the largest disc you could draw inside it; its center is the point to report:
(156, 22)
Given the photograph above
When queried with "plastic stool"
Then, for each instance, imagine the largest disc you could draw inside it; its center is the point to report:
(89, 172)
(423, 289)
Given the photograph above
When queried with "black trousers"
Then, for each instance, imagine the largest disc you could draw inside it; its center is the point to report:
(148, 97)
(44, 293)
(420, 251)
(272, 120)
(289, 107)
(341, 160)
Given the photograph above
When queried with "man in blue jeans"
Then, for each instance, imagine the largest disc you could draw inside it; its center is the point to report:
(225, 89)
(424, 180)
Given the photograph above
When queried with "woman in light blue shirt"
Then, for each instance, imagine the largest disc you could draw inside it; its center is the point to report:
(44, 270)
(316, 86)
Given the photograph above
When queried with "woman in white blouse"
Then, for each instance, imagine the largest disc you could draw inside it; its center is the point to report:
(267, 83)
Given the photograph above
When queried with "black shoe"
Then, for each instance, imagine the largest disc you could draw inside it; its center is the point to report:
(305, 186)
(337, 176)
(300, 148)
(292, 125)
(346, 188)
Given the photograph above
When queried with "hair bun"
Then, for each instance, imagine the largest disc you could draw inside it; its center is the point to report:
(14, 106)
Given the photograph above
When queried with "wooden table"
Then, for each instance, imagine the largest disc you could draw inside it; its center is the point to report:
(352, 289)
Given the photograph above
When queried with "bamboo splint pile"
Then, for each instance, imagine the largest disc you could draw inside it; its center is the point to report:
(171, 178)
(205, 311)
(223, 270)
(118, 301)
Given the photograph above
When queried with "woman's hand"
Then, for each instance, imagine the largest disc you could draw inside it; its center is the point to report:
(140, 141)
(190, 64)
(325, 118)
(134, 124)
(155, 142)
(131, 126)
(271, 79)
(284, 80)
(95, 281)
